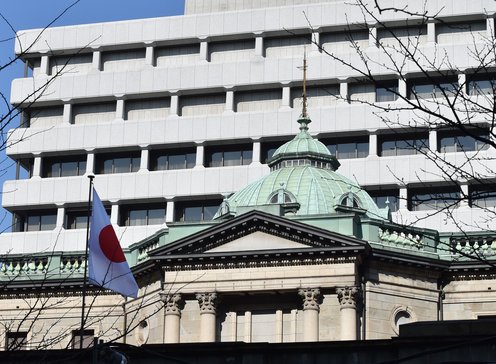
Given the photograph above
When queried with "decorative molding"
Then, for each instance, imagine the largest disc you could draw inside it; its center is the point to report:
(208, 302)
(348, 297)
(312, 298)
(173, 303)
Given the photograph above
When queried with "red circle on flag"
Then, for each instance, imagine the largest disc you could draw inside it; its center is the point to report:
(110, 245)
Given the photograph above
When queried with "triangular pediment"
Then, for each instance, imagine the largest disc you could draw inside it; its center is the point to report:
(258, 240)
(258, 232)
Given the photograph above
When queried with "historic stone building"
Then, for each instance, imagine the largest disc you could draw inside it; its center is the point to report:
(236, 229)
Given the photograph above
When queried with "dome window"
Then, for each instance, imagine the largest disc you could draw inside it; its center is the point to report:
(281, 196)
(350, 200)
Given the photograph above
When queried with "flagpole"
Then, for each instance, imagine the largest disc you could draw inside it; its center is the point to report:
(85, 260)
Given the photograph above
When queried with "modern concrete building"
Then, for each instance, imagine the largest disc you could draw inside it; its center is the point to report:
(173, 115)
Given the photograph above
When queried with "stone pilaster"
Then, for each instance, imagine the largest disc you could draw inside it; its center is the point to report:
(348, 297)
(311, 307)
(208, 310)
(173, 305)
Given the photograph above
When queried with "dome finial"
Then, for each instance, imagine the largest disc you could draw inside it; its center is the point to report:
(304, 120)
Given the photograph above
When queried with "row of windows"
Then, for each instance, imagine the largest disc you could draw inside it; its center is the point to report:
(432, 198)
(273, 47)
(220, 156)
(130, 215)
(18, 340)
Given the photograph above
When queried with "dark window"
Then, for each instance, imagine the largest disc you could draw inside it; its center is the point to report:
(25, 168)
(229, 155)
(16, 340)
(458, 141)
(268, 149)
(347, 148)
(386, 197)
(88, 337)
(386, 92)
(481, 84)
(427, 89)
(403, 144)
(118, 163)
(76, 219)
(483, 195)
(64, 167)
(35, 220)
(136, 215)
(196, 210)
(434, 198)
(161, 160)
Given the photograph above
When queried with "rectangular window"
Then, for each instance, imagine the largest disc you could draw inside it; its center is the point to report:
(17, 340)
(458, 141)
(236, 50)
(35, 220)
(180, 55)
(229, 155)
(128, 60)
(483, 195)
(361, 92)
(386, 92)
(289, 46)
(76, 219)
(403, 144)
(149, 109)
(434, 198)
(317, 96)
(93, 113)
(437, 88)
(208, 104)
(45, 117)
(461, 32)
(196, 210)
(64, 167)
(258, 100)
(398, 38)
(386, 197)
(139, 215)
(481, 84)
(348, 148)
(344, 41)
(88, 338)
(161, 160)
(124, 162)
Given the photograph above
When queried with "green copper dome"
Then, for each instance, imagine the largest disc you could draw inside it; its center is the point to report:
(302, 143)
(316, 190)
(303, 181)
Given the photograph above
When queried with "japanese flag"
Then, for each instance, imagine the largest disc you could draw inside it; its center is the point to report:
(107, 263)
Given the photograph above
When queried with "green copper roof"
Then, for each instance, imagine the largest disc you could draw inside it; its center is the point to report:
(317, 190)
(302, 143)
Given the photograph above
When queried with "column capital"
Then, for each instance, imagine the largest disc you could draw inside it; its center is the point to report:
(348, 296)
(311, 298)
(208, 302)
(173, 303)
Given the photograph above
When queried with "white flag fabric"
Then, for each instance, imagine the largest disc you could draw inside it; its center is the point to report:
(107, 263)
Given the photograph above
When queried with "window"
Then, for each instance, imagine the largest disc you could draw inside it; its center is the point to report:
(24, 168)
(124, 162)
(348, 148)
(386, 92)
(88, 338)
(386, 197)
(268, 149)
(428, 89)
(483, 195)
(481, 84)
(16, 340)
(76, 219)
(138, 215)
(458, 141)
(229, 155)
(172, 159)
(35, 220)
(196, 210)
(434, 198)
(64, 167)
(403, 144)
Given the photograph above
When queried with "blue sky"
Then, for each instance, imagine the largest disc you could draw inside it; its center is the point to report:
(26, 14)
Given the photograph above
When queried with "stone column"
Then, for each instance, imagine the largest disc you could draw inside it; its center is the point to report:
(433, 140)
(490, 27)
(464, 199)
(90, 162)
(45, 65)
(373, 41)
(431, 32)
(114, 212)
(200, 155)
(60, 217)
(259, 46)
(373, 144)
(208, 307)
(256, 157)
(96, 62)
(204, 53)
(286, 96)
(343, 91)
(403, 202)
(173, 305)
(120, 108)
(279, 328)
(462, 82)
(402, 88)
(37, 166)
(311, 302)
(169, 212)
(150, 54)
(174, 105)
(144, 161)
(315, 42)
(347, 299)
(67, 113)
(229, 101)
